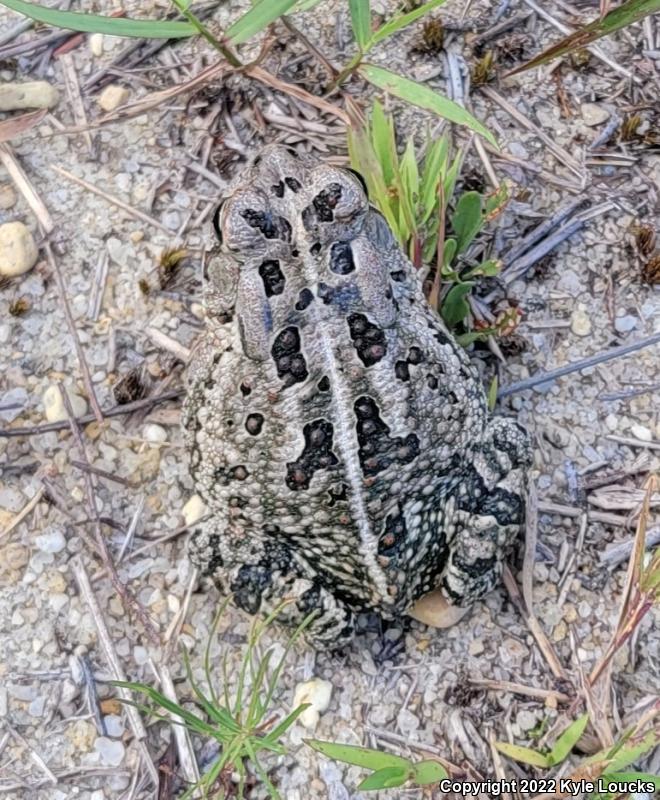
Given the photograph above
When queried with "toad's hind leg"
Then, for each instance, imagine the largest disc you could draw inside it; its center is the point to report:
(489, 513)
(261, 575)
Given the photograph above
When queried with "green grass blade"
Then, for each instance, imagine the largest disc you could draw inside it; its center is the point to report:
(360, 21)
(216, 713)
(427, 772)
(567, 741)
(257, 708)
(384, 144)
(257, 18)
(385, 778)
(282, 727)
(261, 772)
(423, 97)
(94, 23)
(435, 166)
(395, 24)
(622, 16)
(207, 651)
(524, 754)
(192, 720)
(358, 756)
(274, 680)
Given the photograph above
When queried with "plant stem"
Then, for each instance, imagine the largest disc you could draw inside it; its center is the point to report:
(352, 65)
(231, 57)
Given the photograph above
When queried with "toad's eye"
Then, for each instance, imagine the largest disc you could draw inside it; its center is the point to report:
(341, 200)
(360, 177)
(247, 221)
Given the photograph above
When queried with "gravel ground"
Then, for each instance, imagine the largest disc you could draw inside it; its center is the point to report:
(586, 297)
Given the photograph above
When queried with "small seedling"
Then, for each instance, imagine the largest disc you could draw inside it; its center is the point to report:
(244, 725)
(558, 753)
(388, 771)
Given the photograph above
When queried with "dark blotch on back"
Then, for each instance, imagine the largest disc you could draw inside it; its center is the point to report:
(254, 423)
(270, 226)
(377, 449)
(317, 454)
(368, 339)
(293, 184)
(341, 258)
(304, 299)
(289, 361)
(272, 276)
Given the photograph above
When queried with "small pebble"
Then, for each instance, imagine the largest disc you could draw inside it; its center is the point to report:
(476, 647)
(52, 541)
(317, 693)
(433, 609)
(95, 42)
(593, 114)
(31, 94)
(114, 725)
(7, 196)
(18, 251)
(642, 433)
(154, 433)
(526, 720)
(626, 323)
(580, 322)
(54, 408)
(111, 751)
(113, 96)
(193, 510)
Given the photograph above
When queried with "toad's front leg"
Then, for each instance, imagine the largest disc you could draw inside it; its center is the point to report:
(262, 574)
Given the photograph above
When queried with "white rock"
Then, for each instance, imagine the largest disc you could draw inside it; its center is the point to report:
(317, 693)
(7, 196)
(593, 114)
(18, 251)
(433, 609)
(580, 322)
(111, 751)
(642, 433)
(32, 94)
(193, 510)
(114, 725)
(54, 408)
(53, 541)
(113, 96)
(95, 42)
(154, 433)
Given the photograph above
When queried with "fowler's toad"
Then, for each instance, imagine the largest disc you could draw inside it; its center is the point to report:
(338, 434)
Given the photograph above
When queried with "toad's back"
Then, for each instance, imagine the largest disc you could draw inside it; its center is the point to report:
(330, 413)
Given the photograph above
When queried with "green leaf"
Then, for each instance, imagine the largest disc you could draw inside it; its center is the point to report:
(94, 23)
(467, 220)
(305, 5)
(262, 13)
(632, 751)
(433, 172)
(423, 97)
(455, 307)
(488, 268)
(620, 17)
(427, 772)
(358, 756)
(386, 778)
(360, 21)
(410, 173)
(384, 143)
(396, 23)
(567, 741)
(449, 252)
(524, 754)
